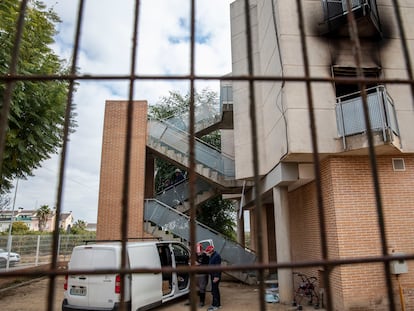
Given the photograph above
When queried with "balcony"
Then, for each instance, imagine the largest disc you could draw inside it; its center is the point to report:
(350, 117)
(365, 13)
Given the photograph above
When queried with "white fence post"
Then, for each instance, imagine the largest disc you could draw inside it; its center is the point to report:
(37, 250)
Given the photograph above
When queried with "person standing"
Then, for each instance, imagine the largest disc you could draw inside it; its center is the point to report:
(177, 177)
(202, 278)
(215, 259)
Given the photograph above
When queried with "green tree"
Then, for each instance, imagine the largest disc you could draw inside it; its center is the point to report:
(176, 104)
(216, 213)
(79, 227)
(19, 227)
(219, 214)
(43, 214)
(37, 114)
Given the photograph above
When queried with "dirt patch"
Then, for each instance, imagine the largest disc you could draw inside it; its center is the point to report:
(34, 296)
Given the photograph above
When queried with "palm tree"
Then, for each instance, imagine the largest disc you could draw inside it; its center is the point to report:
(43, 214)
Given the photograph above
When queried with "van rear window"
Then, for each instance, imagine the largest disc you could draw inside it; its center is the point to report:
(92, 259)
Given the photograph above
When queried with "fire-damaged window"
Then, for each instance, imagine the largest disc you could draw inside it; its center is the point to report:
(353, 89)
(365, 13)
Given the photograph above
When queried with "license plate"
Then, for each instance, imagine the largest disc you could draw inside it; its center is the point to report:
(78, 291)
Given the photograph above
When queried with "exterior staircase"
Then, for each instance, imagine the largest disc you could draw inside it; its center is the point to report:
(177, 195)
(171, 143)
(164, 216)
(165, 222)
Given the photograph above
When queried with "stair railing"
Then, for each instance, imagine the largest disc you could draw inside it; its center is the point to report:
(177, 140)
(177, 223)
(178, 193)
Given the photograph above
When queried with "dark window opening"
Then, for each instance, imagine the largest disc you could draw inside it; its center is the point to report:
(352, 90)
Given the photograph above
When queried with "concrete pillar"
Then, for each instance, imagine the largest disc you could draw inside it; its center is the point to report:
(240, 225)
(282, 231)
(253, 229)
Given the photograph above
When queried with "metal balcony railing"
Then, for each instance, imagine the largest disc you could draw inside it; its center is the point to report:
(160, 132)
(336, 8)
(382, 115)
(335, 12)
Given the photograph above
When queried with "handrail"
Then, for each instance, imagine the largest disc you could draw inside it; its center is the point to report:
(178, 140)
(198, 140)
(177, 223)
(178, 193)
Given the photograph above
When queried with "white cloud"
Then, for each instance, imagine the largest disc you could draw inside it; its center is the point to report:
(106, 49)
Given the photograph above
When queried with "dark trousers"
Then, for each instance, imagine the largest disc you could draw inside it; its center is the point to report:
(215, 291)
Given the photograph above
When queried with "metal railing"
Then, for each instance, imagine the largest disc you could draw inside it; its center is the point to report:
(37, 250)
(350, 113)
(179, 193)
(12, 76)
(163, 134)
(178, 224)
(335, 8)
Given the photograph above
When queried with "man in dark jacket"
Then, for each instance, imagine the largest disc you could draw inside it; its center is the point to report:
(215, 259)
(202, 278)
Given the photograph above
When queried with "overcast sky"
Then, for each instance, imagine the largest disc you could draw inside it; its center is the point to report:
(163, 48)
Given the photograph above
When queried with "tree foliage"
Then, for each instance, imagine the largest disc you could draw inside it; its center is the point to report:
(79, 227)
(176, 104)
(37, 112)
(43, 214)
(216, 213)
(19, 227)
(219, 214)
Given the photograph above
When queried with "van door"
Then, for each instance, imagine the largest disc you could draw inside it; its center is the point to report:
(146, 288)
(180, 284)
(164, 252)
(181, 258)
(86, 290)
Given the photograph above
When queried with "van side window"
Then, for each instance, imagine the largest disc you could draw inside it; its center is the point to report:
(182, 256)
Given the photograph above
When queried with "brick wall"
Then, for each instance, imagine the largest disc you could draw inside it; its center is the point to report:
(112, 170)
(352, 227)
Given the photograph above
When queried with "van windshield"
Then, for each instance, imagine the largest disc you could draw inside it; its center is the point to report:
(93, 258)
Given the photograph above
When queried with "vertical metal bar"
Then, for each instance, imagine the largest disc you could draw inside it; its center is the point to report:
(68, 111)
(192, 176)
(353, 31)
(316, 161)
(343, 124)
(127, 155)
(255, 150)
(382, 111)
(8, 92)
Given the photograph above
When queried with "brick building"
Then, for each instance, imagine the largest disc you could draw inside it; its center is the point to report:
(289, 218)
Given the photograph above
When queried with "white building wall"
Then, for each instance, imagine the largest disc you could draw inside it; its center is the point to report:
(282, 111)
(241, 110)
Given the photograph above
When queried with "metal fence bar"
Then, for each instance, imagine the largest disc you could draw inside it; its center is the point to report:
(251, 78)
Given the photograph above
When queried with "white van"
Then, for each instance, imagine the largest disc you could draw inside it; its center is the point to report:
(141, 292)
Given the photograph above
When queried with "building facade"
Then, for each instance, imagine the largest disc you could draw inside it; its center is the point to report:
(337, 188)
(28, 217)
(286, 149)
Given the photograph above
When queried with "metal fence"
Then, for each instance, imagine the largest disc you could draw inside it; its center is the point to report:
(37, 250)
(56, 242)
